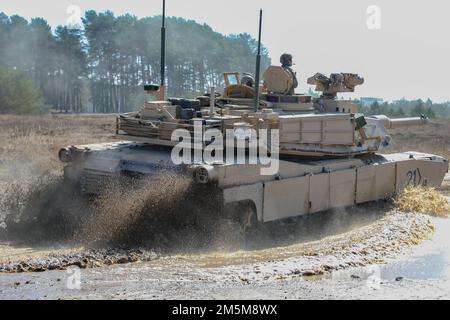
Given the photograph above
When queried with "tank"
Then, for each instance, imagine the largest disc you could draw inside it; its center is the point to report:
(270, 155)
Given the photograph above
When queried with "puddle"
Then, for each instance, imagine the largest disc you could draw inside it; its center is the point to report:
(429, 261)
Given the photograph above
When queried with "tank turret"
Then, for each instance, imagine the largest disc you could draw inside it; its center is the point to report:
(324, 126)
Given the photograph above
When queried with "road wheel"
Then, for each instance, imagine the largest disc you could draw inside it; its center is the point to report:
(243, 214)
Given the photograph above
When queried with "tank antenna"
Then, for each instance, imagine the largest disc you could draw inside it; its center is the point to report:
(258, 63)
(163, 51)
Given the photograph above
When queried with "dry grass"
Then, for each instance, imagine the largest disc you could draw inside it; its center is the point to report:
(424, 200)
(433, 138)
(40, 137)
(29, 144)
(29, 148)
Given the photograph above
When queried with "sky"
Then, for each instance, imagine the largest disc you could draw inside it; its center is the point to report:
(400, 47)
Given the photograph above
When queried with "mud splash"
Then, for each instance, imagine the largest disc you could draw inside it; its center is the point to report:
(58, 260)
(371, 243)
(169, 219)
(310, 245)
(124, 213)
(41, 209)
(128, 213)
(130, 221)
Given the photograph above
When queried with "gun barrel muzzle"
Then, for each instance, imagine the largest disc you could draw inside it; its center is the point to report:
(408, 122)
(402, 122)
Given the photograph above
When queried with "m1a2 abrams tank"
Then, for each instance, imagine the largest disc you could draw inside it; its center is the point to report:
(271, 156)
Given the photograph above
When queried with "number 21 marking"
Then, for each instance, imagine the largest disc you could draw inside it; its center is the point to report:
(414, 178)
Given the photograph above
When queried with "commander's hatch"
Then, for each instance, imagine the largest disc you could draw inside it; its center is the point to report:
(232, 78)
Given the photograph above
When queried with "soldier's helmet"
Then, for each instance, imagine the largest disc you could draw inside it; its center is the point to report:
(248, 80)
(286, 59)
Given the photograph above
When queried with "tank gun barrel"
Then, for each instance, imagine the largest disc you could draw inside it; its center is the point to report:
(402, 122)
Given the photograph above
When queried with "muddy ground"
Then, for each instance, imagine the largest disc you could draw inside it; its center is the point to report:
(125, 256)
(273, 273)
(295, 270)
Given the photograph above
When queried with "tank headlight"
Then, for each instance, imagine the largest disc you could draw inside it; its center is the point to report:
(201, 175)
(205, 174)
(66, 155)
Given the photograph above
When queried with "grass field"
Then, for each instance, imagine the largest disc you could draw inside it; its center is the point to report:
(29, 144)
(432, 138)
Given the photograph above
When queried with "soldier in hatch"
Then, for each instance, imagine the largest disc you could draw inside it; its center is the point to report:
(286, 63)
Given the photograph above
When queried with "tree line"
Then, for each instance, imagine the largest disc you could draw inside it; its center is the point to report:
(408, 108)
(107, 61)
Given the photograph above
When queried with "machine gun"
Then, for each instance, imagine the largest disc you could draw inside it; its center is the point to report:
(330, 87)
(337, 82)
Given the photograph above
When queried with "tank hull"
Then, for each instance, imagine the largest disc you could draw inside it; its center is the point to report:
(300, 187)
